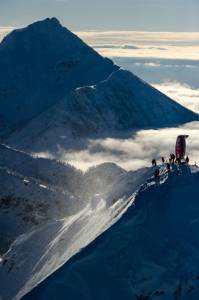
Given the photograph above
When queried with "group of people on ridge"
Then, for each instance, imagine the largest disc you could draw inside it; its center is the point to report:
(172, 160)
(178, 158)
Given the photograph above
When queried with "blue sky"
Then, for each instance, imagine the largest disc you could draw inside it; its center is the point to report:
(148, 15)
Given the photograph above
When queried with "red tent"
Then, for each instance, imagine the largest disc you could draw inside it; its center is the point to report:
(181, 146)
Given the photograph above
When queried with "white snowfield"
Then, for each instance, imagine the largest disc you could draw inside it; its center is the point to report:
(38, 253)
(150, 253)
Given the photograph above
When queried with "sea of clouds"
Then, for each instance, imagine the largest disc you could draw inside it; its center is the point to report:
(169, 62)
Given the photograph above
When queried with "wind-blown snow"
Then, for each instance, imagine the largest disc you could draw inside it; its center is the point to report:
(54, 92)
(35, 255)
(151, 253)
(34, 192)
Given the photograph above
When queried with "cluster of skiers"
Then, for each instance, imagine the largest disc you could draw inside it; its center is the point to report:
(168, 163)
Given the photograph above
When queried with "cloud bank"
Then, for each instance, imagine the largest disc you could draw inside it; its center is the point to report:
(136, 151)
(182, 93)
(4, 31)
(176, 78)
(168, 45)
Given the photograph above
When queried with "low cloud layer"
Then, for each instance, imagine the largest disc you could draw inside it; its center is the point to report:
(4, 31)
(140, 44)
(182, 93)
(176, 78)
(169, 45)
(137, 151)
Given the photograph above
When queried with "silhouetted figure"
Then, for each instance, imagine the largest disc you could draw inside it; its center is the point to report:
(172, 158)
(168, 167)
(157, 174)
(178, 161)
(187, 159)
(163, 160)
(154, 163)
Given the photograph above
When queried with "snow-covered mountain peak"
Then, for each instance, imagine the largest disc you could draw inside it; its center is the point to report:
(121, 102)
(48, 26)
(39, 65)
(118, 104)
(53, 21)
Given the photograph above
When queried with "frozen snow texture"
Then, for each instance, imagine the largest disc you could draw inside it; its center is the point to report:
(151, 253)
(36, 254)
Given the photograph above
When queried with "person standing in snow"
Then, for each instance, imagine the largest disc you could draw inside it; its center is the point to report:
(187, 160)
(168, 167)
(154, 163)
(157, 174)
(163, 160)
(178, 161)
(172, 158)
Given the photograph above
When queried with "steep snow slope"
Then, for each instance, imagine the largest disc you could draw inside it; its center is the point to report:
(37, 254)
(34, 191)
(39, 65)
(116, 105)
(26, 203)
(151, 253)
(123, 101)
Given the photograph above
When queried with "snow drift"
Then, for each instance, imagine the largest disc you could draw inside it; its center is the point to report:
(151, 253)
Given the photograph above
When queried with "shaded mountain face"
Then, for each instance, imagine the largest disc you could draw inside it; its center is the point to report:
(46, 69)
(151, 253)
(123, 102)
(116, 105)
(39, 65)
